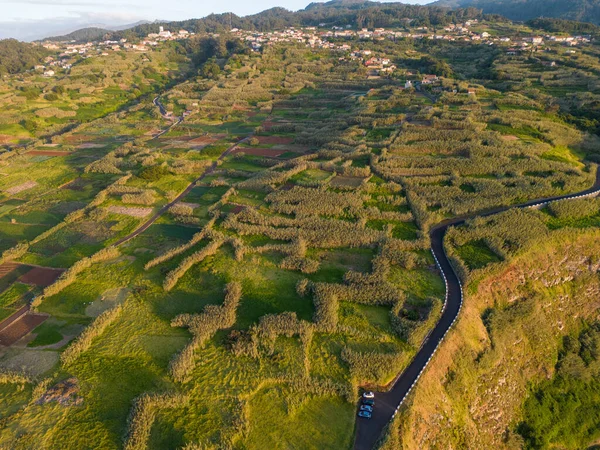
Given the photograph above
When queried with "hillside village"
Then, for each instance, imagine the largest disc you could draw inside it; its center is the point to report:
(314, 37)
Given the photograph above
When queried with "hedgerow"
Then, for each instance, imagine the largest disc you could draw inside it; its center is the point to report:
(69, 276)
(170, 254)
(174, 275)
(203, 326)
(83, 342)
(143, 414)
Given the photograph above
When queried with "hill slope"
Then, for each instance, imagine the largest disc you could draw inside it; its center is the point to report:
(507, 344)
(84, 34)
(18, 56)
(581, 10)
(357, 13)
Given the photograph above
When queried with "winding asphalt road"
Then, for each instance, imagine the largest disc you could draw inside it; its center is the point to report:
(387, 404)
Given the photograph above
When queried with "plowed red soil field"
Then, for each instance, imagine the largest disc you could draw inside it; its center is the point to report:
(20, 328)
(41, 276)
(47, 153)
(7, 268)
(275, 140)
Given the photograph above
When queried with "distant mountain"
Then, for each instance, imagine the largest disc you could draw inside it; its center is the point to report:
(94, 33)
(82, 35)
(523, 10)
(130, 25)
(356, 13)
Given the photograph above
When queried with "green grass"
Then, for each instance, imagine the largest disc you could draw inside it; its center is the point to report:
(525, 133)
(13, 297)
(418, 283)
(247, 402)
(379, 134)
(310, 176)
(564, 154)
(555, 223)
(477, 254)
(46, 334)
(317, 423)
(400, 230)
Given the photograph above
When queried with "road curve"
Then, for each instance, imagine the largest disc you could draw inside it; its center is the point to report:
(165, 115)
(388, 403)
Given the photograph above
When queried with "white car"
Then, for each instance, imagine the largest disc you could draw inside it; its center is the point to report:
(368, 395)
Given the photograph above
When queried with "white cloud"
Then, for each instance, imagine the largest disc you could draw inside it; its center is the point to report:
(32, 29)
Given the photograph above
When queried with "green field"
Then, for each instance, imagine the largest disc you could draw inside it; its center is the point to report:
(253, 311)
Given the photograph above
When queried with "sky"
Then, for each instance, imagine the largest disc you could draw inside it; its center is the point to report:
(34, 19)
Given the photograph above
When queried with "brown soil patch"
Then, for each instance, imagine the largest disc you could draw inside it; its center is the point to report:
(292, 148)
(267, 125)
(77, 138)
(76, 185)
(20, 328)
(48, 153)
(204, 140)
(287, 186)
(6, 139)
(184, 138)
(21, 187)
(275, 140)
(41, 276)
(237, 209)
(190, 205)
(7, 268)
(91, 145)
(270, 152)
(510, 137)
(131, 211)
(346, 181)
(65, 393)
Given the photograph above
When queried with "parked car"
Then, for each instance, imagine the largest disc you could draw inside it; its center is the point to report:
(368, 401)
(366, 408)
(368, 394)
(365, 414)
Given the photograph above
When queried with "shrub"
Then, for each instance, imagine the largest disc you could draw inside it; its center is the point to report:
(85, 339)
(575, 209)
(203, 326)
(154, 173)
(196, 238)
(69, 276)
(143, 414)
(145, 198)
(174, 276)
(181, 210)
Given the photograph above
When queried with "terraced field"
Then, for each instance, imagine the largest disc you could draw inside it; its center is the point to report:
(244, 275)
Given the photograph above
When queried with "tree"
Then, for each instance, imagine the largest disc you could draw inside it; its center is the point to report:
(210, 69)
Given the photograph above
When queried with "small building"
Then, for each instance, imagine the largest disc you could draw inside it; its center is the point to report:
(429, 79)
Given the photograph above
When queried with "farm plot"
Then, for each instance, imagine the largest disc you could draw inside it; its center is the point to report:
(138, 213)
(41, 276)
(20, 328)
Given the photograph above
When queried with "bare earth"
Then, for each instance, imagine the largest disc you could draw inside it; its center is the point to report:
(131, 211)
(21, 187)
